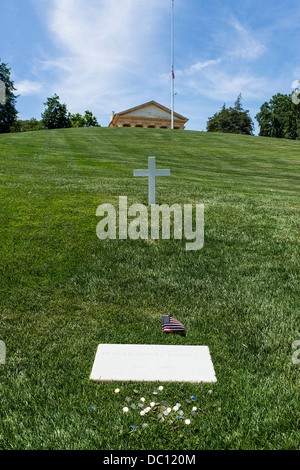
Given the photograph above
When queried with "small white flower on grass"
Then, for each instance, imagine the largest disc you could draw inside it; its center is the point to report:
(117, 390)
(175, 408)
(125, 409)
(187, 421)
(209, 391)
(160, 388)
(152, 404)
(169, 410)
(142, 399)
(194, 408)
(142, 413)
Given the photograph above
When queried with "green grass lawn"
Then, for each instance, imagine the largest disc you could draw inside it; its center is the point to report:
(63, 291)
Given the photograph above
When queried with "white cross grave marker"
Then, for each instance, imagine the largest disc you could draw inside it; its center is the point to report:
(2, 92)
(151, 174)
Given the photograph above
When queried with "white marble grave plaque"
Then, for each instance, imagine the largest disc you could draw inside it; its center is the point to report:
(152, 363)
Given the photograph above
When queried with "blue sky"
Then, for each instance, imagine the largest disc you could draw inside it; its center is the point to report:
(111, 55)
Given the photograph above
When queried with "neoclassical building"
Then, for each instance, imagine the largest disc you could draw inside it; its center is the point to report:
(151, 114)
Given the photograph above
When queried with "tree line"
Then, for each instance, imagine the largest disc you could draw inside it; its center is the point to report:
(55, 115)
(279, 117)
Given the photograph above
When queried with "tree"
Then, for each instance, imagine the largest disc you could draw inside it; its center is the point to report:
(8, 112)
(56, 115)
(77, 120)
(280, 117)
(231, 120)
(90, 120)
(29, 125)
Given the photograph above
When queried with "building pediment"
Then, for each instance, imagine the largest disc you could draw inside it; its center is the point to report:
(151, 114)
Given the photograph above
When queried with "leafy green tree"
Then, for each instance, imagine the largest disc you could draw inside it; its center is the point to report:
(279, 117)
(231, 120)
(77, 120)
(30, 125)
(90, 120)
(56, 115)
(8, 112)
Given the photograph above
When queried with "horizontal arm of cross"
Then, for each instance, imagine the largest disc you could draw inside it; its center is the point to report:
(163, 173)
(140, 172)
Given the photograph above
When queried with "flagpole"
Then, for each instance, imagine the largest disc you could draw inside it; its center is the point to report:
(172, 68)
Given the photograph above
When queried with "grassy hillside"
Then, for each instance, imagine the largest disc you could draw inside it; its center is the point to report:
(63, 290)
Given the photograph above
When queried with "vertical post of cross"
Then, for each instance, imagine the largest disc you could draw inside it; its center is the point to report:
(151, 180)
(151, 174)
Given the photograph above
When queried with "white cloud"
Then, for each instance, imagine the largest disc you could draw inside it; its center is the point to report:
(105, 50)
(227, 86)
(28, 87)
(232, 73)
(245, 44)
(202, 65)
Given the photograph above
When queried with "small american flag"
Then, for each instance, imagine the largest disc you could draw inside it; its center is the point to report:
(171, 325)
